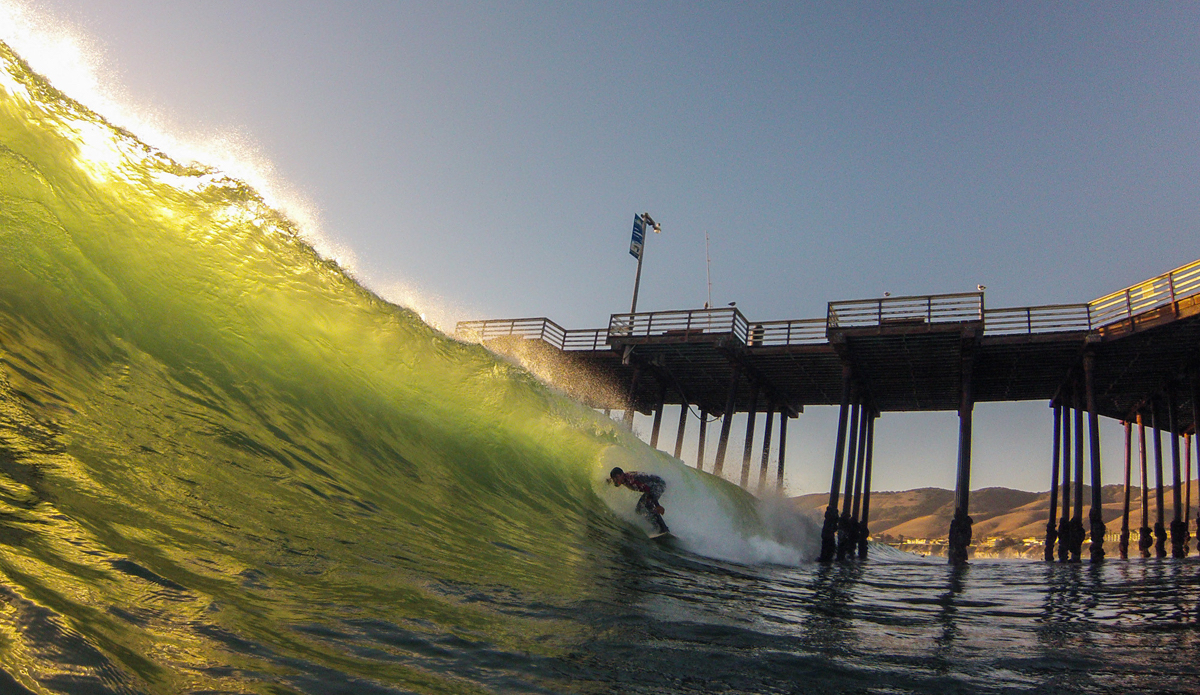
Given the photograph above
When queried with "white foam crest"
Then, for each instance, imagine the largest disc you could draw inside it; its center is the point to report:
(706, 515)
(435, 310)
(77, 64)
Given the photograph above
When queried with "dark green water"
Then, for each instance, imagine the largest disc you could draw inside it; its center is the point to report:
(227, 467)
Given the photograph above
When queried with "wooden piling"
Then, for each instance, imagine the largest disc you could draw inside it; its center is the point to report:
(1194, 378)
(1123, 543)
(859, 464)
(783, 419)
(700, 443)
(1096, 513)
(863, 531)
(1052, 522)
(829, 526)
(960, 525)
(1077, 533)
(748, 449)
(843, 533)
(1064, 523)
(1178, 527)
(1187, 489)
(766, 449)
(1160, 529)
(681, 430)
(658, 415)
(1145, 534)
(727, 421)
(630, 409)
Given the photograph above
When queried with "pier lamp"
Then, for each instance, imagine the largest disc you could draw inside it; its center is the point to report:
(637, 248)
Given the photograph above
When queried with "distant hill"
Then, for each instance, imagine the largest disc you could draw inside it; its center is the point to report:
(997, 511)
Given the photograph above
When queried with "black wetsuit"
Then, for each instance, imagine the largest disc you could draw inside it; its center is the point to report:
(652, 487)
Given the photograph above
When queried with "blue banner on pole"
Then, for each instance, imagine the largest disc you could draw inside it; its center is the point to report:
(639, 237)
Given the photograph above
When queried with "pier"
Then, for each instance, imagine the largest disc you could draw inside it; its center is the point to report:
(1132, 355)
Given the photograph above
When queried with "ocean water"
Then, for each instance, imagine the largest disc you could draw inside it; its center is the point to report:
(226, 467)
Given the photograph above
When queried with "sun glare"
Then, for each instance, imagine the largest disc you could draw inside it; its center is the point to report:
(77, 65)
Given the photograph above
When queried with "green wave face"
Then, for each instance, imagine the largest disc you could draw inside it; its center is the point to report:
(224, 465)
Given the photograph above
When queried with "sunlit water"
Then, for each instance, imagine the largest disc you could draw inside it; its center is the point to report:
(225, 466)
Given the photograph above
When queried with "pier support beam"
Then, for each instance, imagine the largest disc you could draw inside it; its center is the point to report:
(630, 409)
(700, 443)
(859, 465)
(1064, 523)
(1051, 524)
(1179, 531)
(727, 420)
(960, 525)
(748, 449)
(1160, 528)
(843, 533)
(682, 429)
(1078, 535)
(766, 449)
(1187, 490)
(1195, 379)
(658, 414)
(1123, 543)
(1096, 513)
(829, 527)
(783, 419)
(863, 531)
(1145, 534)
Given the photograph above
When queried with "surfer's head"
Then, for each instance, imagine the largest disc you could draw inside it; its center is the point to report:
(616, 475)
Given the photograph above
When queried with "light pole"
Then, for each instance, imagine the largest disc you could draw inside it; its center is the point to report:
(637, 248)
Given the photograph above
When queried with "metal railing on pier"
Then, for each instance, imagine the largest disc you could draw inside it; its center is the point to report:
(906, 311)
(1146, 303)
(1031, 320)
(539, 328)
(1154, 294)
(684, 325)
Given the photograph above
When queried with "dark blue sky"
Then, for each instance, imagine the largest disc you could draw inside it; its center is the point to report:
(489, 157)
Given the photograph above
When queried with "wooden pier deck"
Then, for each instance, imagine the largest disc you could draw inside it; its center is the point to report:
(905, 353)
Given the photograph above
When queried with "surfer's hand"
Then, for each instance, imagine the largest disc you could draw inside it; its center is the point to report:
(659, 510)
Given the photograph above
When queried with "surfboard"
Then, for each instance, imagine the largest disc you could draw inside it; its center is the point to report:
(664, 536)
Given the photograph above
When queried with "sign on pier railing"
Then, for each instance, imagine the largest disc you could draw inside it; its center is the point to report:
(906, 311)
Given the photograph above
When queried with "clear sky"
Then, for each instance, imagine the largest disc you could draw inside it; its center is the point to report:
(488, 158)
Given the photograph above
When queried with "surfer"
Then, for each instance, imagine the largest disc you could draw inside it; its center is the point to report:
(652, 487)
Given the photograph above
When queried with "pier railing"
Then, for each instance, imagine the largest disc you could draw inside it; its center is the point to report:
(905, 311)
(794, 332)
(684, 325)
(1149, 297)
(1146, 303)
(1030, 320)
(539, 328)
